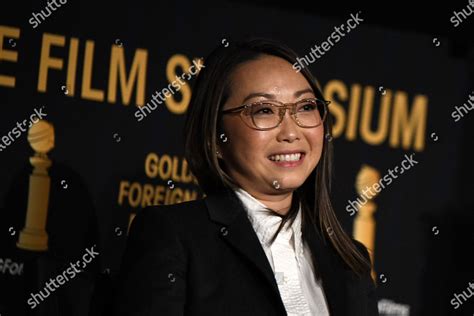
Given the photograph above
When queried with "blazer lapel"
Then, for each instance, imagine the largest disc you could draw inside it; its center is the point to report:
(331, 271)
(237, 230)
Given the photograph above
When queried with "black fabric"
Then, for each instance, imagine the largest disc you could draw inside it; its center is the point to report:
(204, 258)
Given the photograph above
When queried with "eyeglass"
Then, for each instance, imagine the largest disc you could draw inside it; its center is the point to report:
(268, 114)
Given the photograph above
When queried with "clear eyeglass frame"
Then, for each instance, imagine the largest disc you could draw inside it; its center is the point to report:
(245, 109)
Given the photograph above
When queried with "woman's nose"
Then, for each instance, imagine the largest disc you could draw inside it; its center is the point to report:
(288, 129)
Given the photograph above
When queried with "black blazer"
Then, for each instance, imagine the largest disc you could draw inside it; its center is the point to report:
(203, 257)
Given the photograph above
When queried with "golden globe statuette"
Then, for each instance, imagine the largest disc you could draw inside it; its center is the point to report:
(364, 223)
(33, 236)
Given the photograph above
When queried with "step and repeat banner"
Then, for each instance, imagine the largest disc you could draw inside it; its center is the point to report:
(83, 147)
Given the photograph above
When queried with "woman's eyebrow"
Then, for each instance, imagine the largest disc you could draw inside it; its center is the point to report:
(259, 94)
(273, 97)
(301, 92)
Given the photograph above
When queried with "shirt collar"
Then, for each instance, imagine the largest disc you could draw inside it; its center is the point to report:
(265, 224)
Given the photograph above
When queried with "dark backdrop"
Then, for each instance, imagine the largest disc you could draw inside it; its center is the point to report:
(424, 235)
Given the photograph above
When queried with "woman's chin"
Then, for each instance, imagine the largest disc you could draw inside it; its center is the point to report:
(287, 184)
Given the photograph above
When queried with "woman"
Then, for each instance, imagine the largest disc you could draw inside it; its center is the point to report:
(265, 239)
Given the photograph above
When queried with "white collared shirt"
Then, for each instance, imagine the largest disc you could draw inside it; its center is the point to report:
(265, 226)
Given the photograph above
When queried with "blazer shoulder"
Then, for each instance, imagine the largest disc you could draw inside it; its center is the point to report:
(173, 211)
(155, 218)
(156, 246)
(370, 284)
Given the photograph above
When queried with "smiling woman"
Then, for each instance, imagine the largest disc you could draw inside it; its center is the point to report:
(265, 240)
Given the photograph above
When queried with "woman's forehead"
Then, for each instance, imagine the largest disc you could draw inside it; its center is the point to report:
(267, 75)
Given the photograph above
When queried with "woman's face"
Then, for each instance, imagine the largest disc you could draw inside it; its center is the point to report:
(248, 152)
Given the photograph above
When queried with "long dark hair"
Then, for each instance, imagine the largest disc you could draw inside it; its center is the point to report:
(203, 129)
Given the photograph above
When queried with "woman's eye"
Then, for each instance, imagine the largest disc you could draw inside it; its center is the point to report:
(306, 107)
(262, 110)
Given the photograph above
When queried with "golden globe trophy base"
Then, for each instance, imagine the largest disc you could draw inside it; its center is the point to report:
(33, 239)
